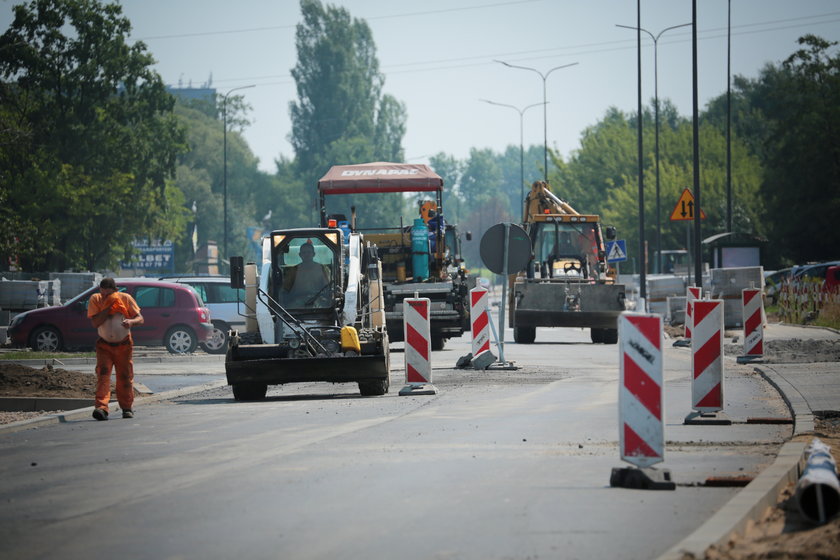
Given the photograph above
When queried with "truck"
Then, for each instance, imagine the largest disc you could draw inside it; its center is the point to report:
(318, 316)
(567, 282)
(446, 282)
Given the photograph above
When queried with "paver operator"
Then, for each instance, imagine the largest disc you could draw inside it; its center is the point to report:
(113, 314)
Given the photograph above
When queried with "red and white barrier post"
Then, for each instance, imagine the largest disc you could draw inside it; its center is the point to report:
(692, 293)
(707, 364)
(418, 347)
(640, 405)
(753, 325)
(482, 357)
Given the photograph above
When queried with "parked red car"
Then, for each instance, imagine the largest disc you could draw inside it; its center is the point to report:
(174, 315)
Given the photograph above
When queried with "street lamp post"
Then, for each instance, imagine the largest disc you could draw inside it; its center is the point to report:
(521, 142)
(224, 163)
(545, 113)
(656, 128)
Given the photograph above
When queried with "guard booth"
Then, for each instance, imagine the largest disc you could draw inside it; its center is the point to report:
(735, 250)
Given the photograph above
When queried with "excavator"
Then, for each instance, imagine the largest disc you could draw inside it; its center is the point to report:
(319, 314)
(567, 282)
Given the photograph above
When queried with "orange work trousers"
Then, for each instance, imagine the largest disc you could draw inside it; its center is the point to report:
(117, 356)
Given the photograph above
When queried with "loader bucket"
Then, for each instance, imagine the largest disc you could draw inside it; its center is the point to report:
(333, 369)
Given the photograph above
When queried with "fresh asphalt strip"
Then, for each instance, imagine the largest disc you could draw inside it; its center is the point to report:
(747, 505)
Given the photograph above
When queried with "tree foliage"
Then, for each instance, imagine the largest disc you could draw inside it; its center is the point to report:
(88, 141)
(341, 115)
(801, 99)
(251, 194)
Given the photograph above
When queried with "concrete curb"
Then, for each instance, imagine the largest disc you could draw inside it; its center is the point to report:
(87, 411)
(749, 504)
(803, 418)
(136, 359)
(746, 506)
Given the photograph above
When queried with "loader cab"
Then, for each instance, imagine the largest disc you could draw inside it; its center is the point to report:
(566, 249)
(307, 269)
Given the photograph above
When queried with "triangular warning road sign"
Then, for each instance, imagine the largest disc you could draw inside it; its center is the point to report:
(684, 210)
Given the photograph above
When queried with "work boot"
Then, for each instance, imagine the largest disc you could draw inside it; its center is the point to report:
(128, 413)
(100, 414)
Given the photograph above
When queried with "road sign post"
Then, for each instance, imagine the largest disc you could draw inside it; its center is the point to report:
(514, 256)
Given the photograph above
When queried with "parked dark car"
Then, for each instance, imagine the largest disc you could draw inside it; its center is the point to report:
(813, 272)
(174, 316)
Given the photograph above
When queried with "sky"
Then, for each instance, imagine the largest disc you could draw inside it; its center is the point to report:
(439, 58)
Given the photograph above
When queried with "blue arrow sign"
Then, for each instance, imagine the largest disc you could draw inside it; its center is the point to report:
(616, 251)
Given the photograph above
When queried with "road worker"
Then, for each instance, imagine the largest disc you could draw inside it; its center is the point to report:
(113, 314)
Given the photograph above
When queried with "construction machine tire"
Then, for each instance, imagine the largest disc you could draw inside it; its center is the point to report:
(610, 336)
(438, 342)
(524, 335)
(249, 391)
(597, 335)
(373, 388)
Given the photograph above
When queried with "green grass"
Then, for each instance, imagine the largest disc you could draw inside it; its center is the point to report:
(829, 316)
(27, 355)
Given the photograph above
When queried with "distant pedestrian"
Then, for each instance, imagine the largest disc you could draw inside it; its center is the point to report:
(113, 314)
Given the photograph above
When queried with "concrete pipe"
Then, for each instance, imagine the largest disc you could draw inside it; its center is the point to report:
(818, 489)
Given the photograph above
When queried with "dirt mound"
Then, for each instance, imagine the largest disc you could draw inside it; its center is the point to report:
(783, 533)
(793, 351)
(22, 381)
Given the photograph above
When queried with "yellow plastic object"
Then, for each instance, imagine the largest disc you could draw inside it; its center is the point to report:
(350, 339)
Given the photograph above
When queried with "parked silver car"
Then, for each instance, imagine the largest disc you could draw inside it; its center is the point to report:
(226, 305)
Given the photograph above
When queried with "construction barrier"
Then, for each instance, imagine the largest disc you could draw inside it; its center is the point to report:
(640, 395)
(418, 341)
(482, 357)
(707, 356)
(753, 328)
(692, 293)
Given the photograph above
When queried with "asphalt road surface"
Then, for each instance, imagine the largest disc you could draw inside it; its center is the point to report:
(498, 465)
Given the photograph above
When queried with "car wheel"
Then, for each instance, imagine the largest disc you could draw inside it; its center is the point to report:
(249, 391)
(524, 335)
(610, 336)
(180, 340)
(217, 342)
(597, 335)
(45, 339)
(438, 342)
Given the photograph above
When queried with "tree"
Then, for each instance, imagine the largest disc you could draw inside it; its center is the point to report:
(449, 170)
(88, 139)
(252, 194)
(802, 179)
(341, 115)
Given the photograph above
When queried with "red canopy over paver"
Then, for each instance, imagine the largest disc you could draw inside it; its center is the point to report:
(379, 177)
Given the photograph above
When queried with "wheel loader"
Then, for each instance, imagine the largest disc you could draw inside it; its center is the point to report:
(566, 284)
(318, 315)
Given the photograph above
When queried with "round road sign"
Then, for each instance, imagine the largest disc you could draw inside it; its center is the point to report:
(492, 248)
